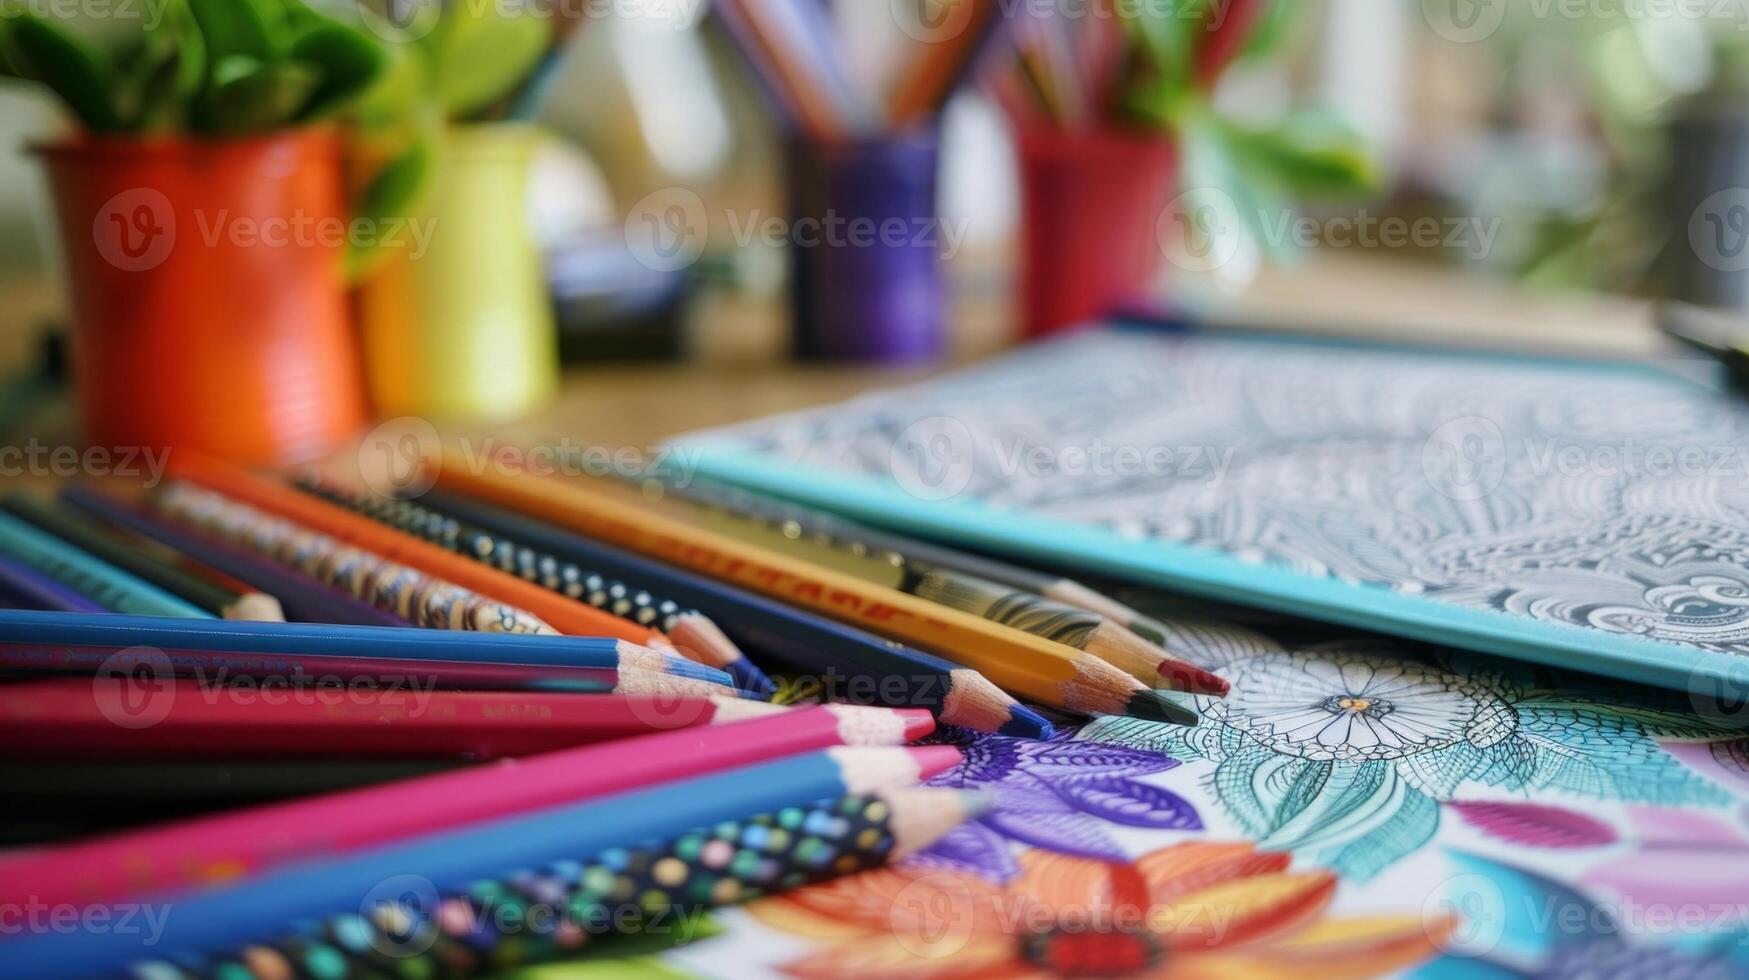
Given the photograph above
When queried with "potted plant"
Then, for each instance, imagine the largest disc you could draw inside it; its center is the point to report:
(202, 217)
(461, 325)
(1124, 158)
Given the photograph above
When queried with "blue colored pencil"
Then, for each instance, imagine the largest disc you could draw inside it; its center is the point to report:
(111, 587)
(872, 669)
(30, 589)
(66, 641)
(270, 904)
(303, 598)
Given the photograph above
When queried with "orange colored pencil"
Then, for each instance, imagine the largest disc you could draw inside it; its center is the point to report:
(560, 612)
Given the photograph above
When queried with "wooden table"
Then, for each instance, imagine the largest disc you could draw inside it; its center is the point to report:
(638, 406)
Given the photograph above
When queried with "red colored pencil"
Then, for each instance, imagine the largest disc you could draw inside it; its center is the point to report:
(77, 718)
(211, 850)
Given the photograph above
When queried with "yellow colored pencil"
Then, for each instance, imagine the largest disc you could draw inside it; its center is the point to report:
(1028, 666)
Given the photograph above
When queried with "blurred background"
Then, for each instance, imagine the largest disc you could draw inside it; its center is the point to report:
(1565, 147)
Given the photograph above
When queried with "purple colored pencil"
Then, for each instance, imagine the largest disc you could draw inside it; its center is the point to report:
(304, 599)
(26, 589)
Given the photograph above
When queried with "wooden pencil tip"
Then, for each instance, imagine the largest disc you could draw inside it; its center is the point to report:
(1156, 706)
(1023, 722)
(933, 760)
(1192, 679)
(256, 607)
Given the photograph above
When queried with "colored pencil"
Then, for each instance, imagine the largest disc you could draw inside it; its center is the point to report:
(267, 904)
(286, 651)
(410, 594)
(792, 77)
(1026, 665)
(561, 613)
(939, 65)
(177, 582)
(98, 580)
(214, 849)
(71, 718)
(30, 589)
(303, 598)
(564, 615)
(906, 565)
(691, 631)
(870, 668)
(556, 909)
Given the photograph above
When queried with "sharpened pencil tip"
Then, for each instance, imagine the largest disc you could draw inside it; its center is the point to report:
(933, 760)
(1023, 722)
(1193, 679)
(1156, 706)
(750, 678)
(918, 722)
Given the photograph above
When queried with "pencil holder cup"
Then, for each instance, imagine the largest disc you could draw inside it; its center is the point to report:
(457, 321)
(867, 249)
(209, 304)
(1090, 203)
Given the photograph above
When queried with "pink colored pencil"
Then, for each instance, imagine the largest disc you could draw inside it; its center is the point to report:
(212, 850)
(77, 717)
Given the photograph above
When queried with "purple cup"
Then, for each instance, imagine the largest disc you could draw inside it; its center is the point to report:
(866, 272)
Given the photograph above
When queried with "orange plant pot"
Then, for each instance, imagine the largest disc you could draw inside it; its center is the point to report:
(209, 305)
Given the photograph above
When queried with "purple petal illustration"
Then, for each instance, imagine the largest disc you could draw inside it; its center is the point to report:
(1535, 825)
(974, 848)
(1042, 819)
(1133, 804)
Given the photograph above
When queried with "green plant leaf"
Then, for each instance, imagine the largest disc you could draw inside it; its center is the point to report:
(238, 27)
(483, 51)
(349, 63)
(249, 96)
(76, 73)
(163, 72)
(394, 193)
(1310, 156)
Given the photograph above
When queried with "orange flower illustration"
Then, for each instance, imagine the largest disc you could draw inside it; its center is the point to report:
(1193, 911)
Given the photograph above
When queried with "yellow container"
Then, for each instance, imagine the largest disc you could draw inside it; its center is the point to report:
(457, 321)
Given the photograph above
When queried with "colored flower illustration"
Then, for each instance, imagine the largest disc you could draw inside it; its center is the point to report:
(1520, 924)
(1061, 795)
(1191, 910)
(1344, 754)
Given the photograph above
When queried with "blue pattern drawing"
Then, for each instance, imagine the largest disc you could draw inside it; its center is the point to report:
(1344, 751)
(1601, 499)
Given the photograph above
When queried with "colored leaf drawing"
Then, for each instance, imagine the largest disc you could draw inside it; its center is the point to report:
(1534, 824)
(1344, 752)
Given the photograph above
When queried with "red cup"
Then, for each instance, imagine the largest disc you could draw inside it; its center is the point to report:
(210, 307)
(1090, 203)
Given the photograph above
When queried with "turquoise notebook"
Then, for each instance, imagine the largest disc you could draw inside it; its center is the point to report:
(1587, 515)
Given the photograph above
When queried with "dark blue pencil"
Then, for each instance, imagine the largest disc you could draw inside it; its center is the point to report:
(867, 668)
